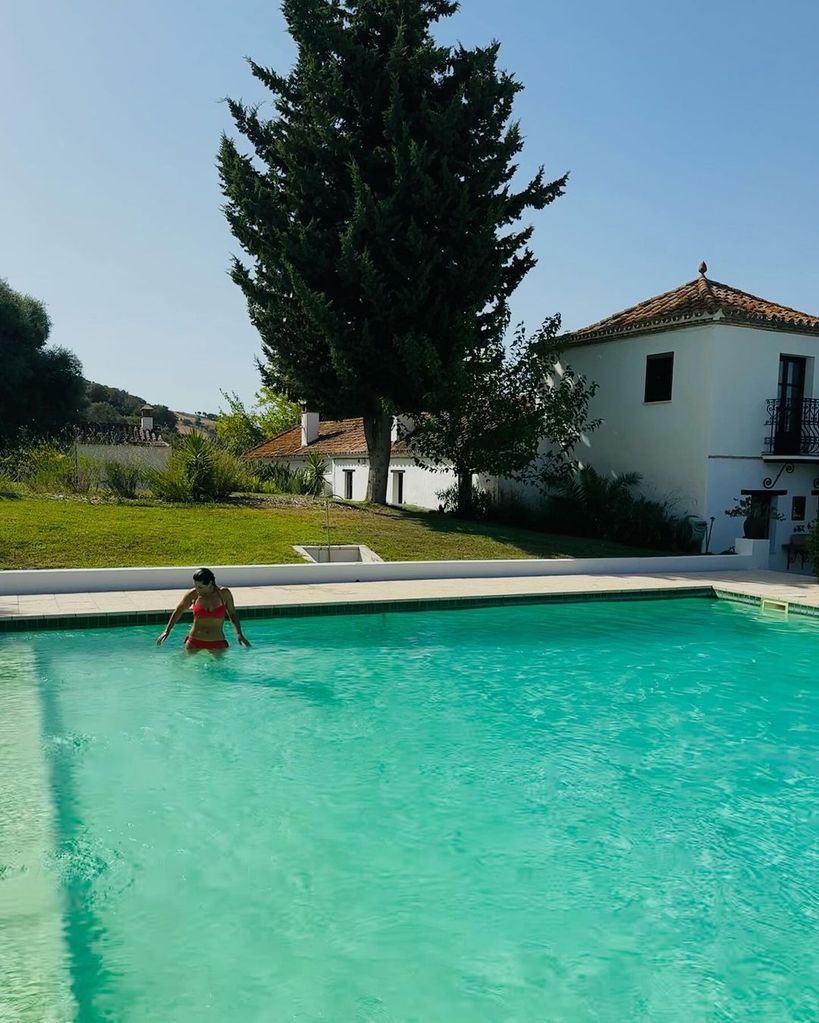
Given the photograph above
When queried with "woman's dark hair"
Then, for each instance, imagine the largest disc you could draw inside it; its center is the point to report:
(204, 575)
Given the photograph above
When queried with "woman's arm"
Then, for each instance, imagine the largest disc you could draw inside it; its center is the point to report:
(177, 613)
(230, 608)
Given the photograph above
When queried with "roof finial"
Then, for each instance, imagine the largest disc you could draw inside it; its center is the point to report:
(703, 267)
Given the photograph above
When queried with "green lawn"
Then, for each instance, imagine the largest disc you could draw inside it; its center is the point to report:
(38, 532)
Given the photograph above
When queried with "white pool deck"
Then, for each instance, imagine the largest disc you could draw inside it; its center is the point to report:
(780, 586)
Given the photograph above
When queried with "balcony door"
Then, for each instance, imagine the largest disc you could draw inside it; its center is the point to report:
(788, 439)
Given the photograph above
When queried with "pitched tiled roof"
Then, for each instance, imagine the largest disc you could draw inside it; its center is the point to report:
(700, 300)
(336, 437)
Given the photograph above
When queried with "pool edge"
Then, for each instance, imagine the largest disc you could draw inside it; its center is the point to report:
(118, 619)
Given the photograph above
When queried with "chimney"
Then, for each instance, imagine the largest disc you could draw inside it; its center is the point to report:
(309, 426)
(146, 418)
(402, 426)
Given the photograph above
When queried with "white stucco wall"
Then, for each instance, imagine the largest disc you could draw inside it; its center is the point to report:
(137, 454)
(102, 580)
(702, 448)
(727, 477)
(745, 374)
(744, 368)
(421, 485)
(666, 442)
(335, 477)
(698, 451)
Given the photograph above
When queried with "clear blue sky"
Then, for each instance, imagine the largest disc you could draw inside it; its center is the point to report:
(689, 132)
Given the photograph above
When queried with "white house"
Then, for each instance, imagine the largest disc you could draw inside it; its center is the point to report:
(343, 445)
(710, 394)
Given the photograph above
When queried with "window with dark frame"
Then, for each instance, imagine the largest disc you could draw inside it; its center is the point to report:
(348, 484)
(659, 377)
(798, 509)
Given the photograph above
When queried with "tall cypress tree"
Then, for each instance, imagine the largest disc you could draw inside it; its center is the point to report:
(377, 211)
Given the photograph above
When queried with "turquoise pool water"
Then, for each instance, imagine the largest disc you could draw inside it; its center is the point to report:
(574, 812)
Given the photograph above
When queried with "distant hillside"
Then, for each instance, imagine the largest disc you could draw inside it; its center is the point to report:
(112, 406)
(203, 422)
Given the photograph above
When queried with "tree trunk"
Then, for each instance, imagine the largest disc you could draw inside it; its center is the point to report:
(465, 506)
(378, 431)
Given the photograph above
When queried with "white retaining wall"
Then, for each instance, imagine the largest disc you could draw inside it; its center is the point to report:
(156, 457)
(102, 580)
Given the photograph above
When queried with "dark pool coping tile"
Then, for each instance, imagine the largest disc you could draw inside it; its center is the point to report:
(794, 607)
(117, 619)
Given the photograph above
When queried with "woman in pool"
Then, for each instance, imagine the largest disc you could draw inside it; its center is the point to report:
(210, 605)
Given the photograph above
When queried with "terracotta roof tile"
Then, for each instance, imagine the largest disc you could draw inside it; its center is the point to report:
(697, 301)
(336, 437)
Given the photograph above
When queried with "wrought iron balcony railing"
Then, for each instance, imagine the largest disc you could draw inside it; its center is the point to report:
(793, 427)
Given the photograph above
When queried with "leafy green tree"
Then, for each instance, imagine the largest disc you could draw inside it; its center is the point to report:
(41, 388)
(115, 406)
(126, 404)
(274, 412)
(164, 419)
(239, 429)
(103, 412)
(519, 414)
(377, 211)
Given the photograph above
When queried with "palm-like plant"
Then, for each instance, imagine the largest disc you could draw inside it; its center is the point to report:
(197, 463)
(314, 474)
(197, 470)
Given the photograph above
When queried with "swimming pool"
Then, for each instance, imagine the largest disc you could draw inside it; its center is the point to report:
(574, 812)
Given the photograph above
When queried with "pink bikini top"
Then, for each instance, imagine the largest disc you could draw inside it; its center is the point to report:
(207, 612)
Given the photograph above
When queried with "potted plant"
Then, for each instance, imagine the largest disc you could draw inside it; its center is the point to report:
(757, 515)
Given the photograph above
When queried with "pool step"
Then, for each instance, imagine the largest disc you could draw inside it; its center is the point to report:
(35, 984)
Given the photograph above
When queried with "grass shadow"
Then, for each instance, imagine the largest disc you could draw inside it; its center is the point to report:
(536, 543)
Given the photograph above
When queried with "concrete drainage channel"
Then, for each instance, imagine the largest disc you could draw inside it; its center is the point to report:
(335, 554)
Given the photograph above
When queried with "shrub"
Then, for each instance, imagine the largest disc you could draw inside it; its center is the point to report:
(589, 504)
(751, 507)
(13, 466)
(49, 470)
(481, 501)
(197, 470)
(262, 473)
(122, 478)
(648, 523)
(511, 511)
(273, 478)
